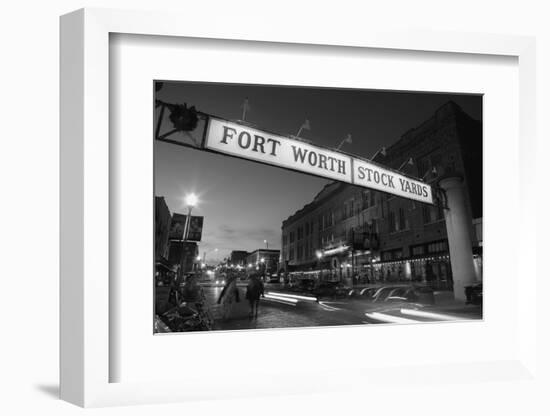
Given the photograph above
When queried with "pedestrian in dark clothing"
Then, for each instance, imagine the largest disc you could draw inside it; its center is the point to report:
(254, 290)
(229, 296)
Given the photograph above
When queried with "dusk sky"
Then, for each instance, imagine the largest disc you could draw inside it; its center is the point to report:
(244, 203)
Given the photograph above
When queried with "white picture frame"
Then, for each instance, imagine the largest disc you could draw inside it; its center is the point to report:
(86, 355)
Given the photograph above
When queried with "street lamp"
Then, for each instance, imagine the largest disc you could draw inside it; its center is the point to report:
(191, 200)
(319, 255)
(266, 244)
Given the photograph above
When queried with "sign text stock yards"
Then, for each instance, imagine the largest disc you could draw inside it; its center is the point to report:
(249, 143)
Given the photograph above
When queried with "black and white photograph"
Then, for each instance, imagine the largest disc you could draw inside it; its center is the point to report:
(286, 207)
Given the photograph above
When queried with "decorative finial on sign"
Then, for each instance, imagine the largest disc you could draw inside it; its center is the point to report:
(245, 107)
(347, 139)
(304, 126)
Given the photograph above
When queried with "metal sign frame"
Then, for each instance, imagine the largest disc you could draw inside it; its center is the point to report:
(434, 192)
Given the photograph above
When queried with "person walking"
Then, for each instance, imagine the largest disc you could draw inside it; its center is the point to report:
(254, 290)
(229, 296)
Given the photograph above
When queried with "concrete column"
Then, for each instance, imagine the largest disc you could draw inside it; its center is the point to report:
(459, 229)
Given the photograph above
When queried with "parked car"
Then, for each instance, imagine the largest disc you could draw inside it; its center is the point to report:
(330, 290)
(368, 292)
(401, 294)
(274, 278)
(420, 294)
(474, 294)
(382, 293)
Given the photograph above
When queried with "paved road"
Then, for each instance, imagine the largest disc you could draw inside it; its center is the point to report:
(275, 313)
(278, 311)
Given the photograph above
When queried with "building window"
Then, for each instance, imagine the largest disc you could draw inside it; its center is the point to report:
(392, 255)
(417, 250)
(437, 247)
(428, 214)
(291, 237)
(403, 223)
(393, 225)
(299, 252)
(291, 253)
(300, 233)
(424, 165)
(432, 214)
(440, 213)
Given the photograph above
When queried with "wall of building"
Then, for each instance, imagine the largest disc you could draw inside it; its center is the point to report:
(379, 237)
(270, 257)
(238, 257)
(163, 220)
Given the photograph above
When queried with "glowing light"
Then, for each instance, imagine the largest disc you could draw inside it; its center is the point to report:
(282, 299)
(311, 298)
(390, 318)
(191, 200)
(432, 315)
(319, 254)
(327, 307)
(335, 250)
(262, 260)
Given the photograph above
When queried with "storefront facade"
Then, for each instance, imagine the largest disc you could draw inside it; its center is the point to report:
(359, 236)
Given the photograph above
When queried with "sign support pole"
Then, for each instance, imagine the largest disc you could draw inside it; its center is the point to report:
(459, 229)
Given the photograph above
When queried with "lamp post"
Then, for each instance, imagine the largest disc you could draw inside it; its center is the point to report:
(266, 244)
(319, 255)
(191, 200)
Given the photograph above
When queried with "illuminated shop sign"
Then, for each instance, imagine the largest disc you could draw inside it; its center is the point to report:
(253, 144)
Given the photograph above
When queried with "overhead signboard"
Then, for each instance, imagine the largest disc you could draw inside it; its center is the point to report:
(373, 176)
(249, 143)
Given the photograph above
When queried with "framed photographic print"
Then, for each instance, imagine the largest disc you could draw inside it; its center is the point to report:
(318, 237)
(303, 203)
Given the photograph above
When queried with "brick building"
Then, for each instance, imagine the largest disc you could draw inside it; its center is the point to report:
(358, 235)
(238, 257)
(163, 219)
(265, 260)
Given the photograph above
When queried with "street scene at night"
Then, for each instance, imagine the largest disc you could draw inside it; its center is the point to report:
(292, 207)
